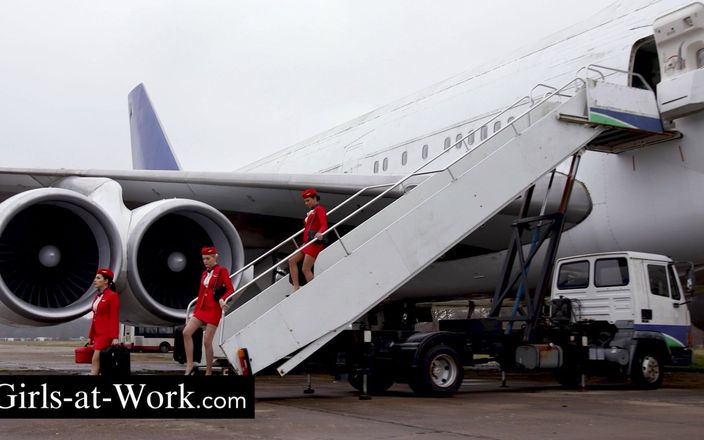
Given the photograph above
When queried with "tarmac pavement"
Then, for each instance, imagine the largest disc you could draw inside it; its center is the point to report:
(531, 407)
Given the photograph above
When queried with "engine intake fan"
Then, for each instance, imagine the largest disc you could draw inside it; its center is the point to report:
(165, 265)
(52, 241)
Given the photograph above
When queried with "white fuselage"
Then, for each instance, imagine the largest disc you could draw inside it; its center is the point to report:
(642, 200)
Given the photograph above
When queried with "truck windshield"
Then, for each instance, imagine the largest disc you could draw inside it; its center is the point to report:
(674, 287)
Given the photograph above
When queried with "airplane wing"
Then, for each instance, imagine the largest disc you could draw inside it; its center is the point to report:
(264, 194)
(245, 197)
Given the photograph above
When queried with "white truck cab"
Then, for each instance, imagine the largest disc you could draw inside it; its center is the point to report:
(639, 293)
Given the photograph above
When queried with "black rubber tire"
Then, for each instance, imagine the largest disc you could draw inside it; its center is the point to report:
(164, 347)
(568, 377)
(648, 369)
(439, 372)
(376, 384)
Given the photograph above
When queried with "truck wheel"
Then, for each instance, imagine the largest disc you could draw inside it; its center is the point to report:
(164, 347)
(376, 383)
(439, 372)
(568, 378)
(647, 370)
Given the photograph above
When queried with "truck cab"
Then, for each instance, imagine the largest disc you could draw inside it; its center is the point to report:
(639, 293)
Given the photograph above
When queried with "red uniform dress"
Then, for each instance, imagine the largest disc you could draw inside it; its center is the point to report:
(207, 309)
(106, 319)
(316, 220)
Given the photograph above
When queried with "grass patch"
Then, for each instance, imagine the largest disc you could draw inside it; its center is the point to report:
(698, 358)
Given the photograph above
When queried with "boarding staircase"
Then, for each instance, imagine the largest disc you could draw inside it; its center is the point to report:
(366, 265)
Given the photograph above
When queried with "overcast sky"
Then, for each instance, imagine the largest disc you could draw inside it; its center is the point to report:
(233, 81)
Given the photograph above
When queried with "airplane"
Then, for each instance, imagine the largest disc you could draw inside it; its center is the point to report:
(148, 224)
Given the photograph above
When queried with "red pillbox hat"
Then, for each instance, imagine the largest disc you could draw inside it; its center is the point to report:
(208, 250)
(309, 193)
(105, 272)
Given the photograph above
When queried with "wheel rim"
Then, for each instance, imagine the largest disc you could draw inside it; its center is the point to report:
(443, 371)
(650, 368)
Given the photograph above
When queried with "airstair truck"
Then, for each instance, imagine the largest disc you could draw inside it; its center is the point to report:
(361, 270)
(617, 314)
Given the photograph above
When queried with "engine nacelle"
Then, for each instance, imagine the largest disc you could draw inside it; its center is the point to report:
(52, 241)
(164, 262)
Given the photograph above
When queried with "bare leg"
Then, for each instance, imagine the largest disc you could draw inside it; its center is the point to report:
(293, 269)
(308, 263)
(95, 363)
(208, 339)
(191, 327)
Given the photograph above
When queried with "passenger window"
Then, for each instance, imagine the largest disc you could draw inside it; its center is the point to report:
(674, 288)
(448, 141)
(458, 139)
(658, 280)
(510, 119)
(385, 164)
(574, 275)
(404, 158)
(424, 153)
(376, 166)
(484, 132)
(497, 126)
(470, 139)
(611, 272)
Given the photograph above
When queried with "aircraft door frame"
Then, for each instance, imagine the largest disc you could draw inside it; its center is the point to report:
(645, 61)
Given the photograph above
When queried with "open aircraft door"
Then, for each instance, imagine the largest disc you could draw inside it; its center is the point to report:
(679, 37)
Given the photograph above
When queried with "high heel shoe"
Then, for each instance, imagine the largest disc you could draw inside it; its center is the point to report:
(192, 372)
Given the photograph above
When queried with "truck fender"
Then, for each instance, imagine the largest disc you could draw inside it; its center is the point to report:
(654, 340)
(412, 348)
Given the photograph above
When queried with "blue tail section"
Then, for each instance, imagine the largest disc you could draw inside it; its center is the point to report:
(150, 147)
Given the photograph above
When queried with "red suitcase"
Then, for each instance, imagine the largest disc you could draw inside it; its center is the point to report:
(84, 355)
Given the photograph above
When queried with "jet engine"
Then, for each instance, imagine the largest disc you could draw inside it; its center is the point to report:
(52, 241)
(164, 261)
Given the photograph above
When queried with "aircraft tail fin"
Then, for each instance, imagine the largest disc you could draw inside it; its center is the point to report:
(150, 147)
